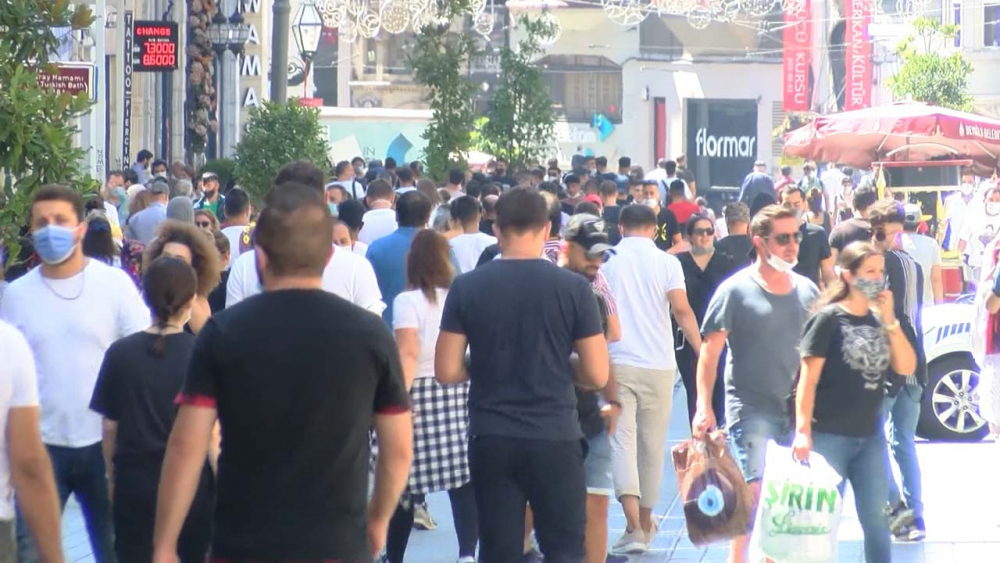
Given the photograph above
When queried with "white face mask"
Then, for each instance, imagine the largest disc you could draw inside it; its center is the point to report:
(651, 203)
(780, 264)
(993, 207)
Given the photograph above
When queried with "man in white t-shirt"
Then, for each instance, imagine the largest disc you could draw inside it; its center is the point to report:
(468, 246)
(24, 463)
(347, 275)
(347, 179)
(380, 220)
(237, 208)
(926, 252)
(955, 207)
(648, 285)
(978, 229)
(70, 310)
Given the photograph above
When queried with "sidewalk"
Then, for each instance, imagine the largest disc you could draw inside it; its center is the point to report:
(961, 490)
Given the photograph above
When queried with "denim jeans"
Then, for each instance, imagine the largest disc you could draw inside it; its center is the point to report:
(508, 473)
(902, 413)
(79, 471)
(863, 462)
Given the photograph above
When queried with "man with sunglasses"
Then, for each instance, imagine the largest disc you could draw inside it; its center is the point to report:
(815, 258)
(759, 313)
(904, 278)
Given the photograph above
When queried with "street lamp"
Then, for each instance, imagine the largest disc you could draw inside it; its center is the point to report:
(307, 29)
(218, 34)
(239, 33)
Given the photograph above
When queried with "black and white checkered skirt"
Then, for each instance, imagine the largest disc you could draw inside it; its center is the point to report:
(440, 437)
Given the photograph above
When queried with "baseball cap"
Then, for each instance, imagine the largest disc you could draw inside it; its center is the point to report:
(594, 198)
(912, 215)
(209, 176)
(588, 231)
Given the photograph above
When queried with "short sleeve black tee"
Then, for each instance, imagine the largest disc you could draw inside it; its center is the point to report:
(588, 404)
(666, 228)
(137, 388)
(812, 251)
(521, 319)
(738, 247)
(611, 215)
(852, 384)
(852, 230)
(297, 377)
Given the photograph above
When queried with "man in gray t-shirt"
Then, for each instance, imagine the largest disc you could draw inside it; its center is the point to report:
(759, 313)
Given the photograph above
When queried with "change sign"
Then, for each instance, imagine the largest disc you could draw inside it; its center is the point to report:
(721, 141)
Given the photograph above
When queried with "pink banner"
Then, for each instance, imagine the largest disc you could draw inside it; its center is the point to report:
(858, 59)
(796, 54)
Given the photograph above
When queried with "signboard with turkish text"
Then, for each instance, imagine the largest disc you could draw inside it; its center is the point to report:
(71, 78)
(797, 43)
(858, 59)
(127, 91)
(721, 141)
(155, 46)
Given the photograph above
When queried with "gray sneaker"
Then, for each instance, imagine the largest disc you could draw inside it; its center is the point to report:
(422, 518)
(631, 542)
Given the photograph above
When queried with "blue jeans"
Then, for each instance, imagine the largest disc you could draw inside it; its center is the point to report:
(79, 471)
(748, 439)
(863, 462)
(902, 413)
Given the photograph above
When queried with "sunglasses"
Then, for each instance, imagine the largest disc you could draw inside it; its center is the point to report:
(202, 224)
(706, 232)
(786, 238)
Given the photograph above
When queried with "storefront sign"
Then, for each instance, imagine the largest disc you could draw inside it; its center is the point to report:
(797, 42)
(155, 46)
(127, 91)
(721, 140)
(70, 78)
(858, 60)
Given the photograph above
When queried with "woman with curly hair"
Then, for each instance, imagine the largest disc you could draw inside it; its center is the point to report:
(189, 243)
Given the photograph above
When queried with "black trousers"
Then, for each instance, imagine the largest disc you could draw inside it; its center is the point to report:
(508, 473)
(134, 512)
(687, 363)
(463, 512)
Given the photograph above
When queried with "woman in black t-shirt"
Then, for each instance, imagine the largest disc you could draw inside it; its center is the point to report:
(848, 348)
(136, 386)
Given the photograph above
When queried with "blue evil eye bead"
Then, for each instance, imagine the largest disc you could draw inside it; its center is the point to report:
(711, 502)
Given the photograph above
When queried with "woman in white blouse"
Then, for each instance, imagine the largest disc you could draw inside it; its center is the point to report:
(440, 412)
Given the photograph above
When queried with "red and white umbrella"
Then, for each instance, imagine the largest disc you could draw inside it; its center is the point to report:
(903, 131)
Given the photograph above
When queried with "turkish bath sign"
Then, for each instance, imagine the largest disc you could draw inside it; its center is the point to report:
(721, 140)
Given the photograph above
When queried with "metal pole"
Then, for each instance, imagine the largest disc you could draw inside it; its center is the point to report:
(279, 51)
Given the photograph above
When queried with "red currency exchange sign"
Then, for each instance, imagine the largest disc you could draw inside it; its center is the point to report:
(858, 60)
(71, 79)
(797, 45)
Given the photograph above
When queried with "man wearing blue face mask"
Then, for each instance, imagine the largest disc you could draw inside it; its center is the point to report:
(70, 309)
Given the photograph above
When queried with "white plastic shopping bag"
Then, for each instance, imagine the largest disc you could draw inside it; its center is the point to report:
(799, 509)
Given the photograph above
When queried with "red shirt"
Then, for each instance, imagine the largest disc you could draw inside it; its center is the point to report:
(683, 210)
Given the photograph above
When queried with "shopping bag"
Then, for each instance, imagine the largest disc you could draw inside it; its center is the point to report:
(717, 502)
(799, 509)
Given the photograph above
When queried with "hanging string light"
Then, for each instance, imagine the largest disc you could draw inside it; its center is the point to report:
(395, 16)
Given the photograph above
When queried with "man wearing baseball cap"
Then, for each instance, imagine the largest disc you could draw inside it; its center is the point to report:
(597, 411)
(925, 251)
(211, 197)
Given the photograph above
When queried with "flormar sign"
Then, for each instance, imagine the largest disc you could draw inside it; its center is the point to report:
(721, 140)
(69, 78)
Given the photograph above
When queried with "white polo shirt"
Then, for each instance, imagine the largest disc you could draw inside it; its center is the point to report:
(640, 276)
(347, 275)
(377, 224)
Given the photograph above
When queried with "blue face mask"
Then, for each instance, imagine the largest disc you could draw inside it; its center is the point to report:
(333, 209)
(54, 244)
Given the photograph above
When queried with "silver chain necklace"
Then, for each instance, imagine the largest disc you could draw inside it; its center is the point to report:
(83, 285)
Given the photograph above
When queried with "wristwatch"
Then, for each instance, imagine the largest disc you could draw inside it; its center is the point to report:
(893, 327)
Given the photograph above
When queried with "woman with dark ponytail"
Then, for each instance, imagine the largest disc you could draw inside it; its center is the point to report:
(139, 379)
(849, 347)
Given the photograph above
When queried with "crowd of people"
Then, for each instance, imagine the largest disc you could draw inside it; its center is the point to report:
(212, 378)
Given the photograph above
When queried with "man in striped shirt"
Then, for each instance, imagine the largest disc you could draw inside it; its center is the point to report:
(905, 280)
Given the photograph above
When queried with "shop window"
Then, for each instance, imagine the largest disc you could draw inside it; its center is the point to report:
(582, 86)
(991, 23)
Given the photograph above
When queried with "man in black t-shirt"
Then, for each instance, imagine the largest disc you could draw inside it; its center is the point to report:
(737, 244)
(815, 259)
(521, 318)
(296, 377)
(668, 231)
(611, 211)
(857, 229)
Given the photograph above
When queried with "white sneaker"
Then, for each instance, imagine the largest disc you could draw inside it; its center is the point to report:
(651, 535)
(631, 542)
(422, 518)
(467, 559)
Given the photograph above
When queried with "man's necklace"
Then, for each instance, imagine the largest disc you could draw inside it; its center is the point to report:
(83, 284)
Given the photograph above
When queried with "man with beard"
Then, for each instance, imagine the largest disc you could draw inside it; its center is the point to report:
(211, 198)
(597, 411)
(815, 258)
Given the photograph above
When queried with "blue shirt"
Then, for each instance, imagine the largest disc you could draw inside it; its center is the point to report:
(142, 226)
(388, 258)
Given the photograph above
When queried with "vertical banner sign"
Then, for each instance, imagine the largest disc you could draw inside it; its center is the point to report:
(796, 54)
(127, 92)
(858, 86)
